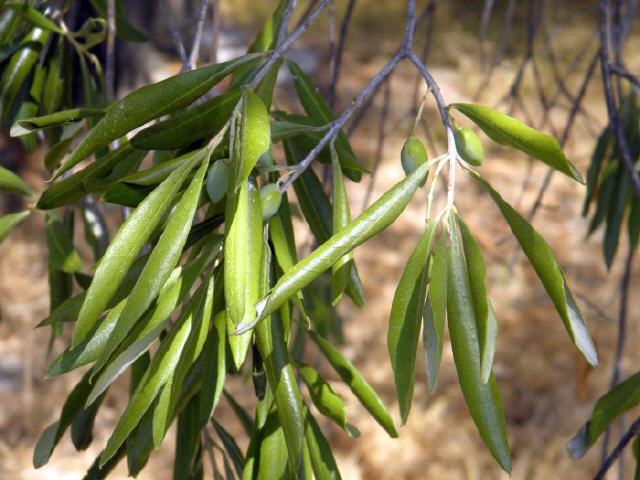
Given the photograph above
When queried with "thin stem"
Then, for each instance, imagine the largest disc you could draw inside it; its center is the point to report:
(634, 429)
(215, 30)
(612, 109)
(283, 46)
(197, 38)
(111, 51)
(338, 52)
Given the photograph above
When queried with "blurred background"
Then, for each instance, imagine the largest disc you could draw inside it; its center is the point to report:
(475, 55)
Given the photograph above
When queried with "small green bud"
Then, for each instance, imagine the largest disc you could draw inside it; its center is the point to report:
(469, 146)
(270, 198)
(217, 181)
(413, 155)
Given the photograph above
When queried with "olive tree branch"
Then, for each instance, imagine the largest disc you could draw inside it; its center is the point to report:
(612, 109)
(634, 429)
(197, 38)
(339, 50)
(405, 52)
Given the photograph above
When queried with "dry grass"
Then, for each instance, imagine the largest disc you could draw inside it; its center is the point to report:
(547, 389)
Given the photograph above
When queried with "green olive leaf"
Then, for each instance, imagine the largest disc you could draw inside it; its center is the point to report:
(34, 16)
(250, 136)
(341, 270)
(544, 263)
(610, 406)
(317, 211)
(19, 68)
(270, 340)
(486, 323)
(126, 245)
(326, 400)
(163, 259)
(25, 126)
(76, 186)
(10, 221)
(149, 102)
(12, 183)
(483, 399)
(406, 318)
(435, 310)
(186, 127)
(318, 109)
(372, 221)
(52, 435)
(214, 359)
(508, 131)
(160, 370)
(322, 461)
(62, 253)
(356, 382)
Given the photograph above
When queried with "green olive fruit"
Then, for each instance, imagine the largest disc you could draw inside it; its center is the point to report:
(469, 146)
(270, 198)
(217, 181)
(413, 155)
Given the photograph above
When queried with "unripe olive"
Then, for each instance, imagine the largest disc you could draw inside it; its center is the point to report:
(217, 180)
(469, 146)
(270, 198)
(413, 155)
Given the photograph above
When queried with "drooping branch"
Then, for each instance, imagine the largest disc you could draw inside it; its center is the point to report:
(633, 430)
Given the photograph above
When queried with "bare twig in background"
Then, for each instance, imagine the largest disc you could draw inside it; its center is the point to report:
(215, 30)
(484, 29)
(634, 429)
(384, 113)
(111, 49)
(336, 59)
(626, 74)
(616, 374)
(612, 109)
(173, 30)
(197, 37)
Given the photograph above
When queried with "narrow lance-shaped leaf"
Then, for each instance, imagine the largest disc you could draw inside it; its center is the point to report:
(317, 108)
(316, 209)
(25, 126)
(62, 254)
(372, 221)
(34, 16)
(148, 329)
(214, 359)
(52, 435)
(184, 128)
(131, 237)
(174, 389)
(12, 183)
(341, 270)
(73, 188)
(242, 259)
(19, 67)
(160, 370)
(610, 406)
(188, 447)
(280, 375)
(149, 102)
(322, 461)
(162, 261)
(250, 136)
(545, 265)
(326, 400)
(508, 131)
(406, 317)
(31, 103)
(435, 310)
(486, 323)
(10, 221)
(483, 399)
(356, 382)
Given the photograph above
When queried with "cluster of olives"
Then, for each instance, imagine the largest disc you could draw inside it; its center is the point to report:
(468, 146)
(217, 184)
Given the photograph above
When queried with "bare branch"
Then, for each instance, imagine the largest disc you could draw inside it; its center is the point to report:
(634, 429)
(197, 38)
